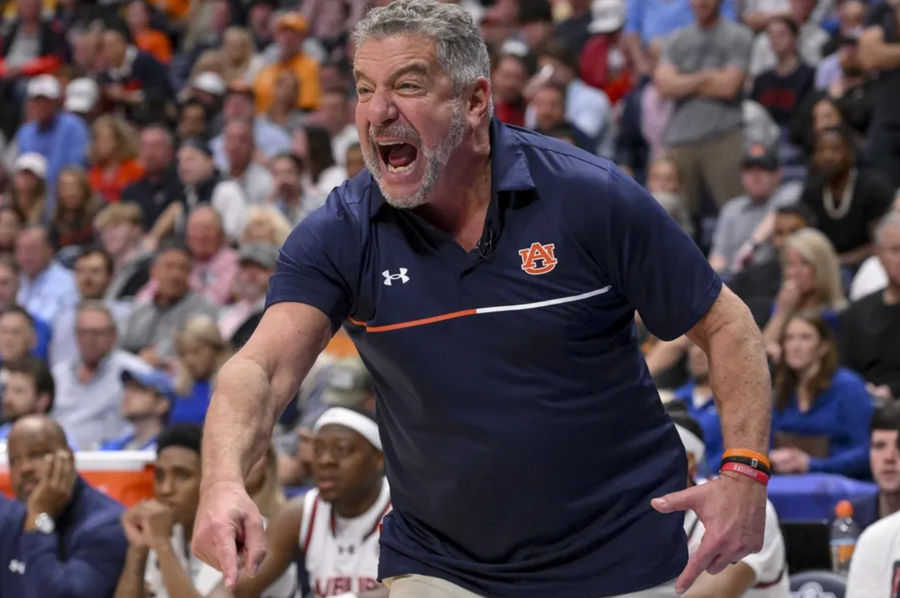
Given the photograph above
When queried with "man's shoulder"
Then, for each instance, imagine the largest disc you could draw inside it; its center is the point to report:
(734, 206)
(548, 156)
(883, 535)
(865, 304)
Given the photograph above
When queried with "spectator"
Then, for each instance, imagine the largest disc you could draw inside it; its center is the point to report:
(238, 321)
(535, 19)
(269, 138)
(350, 485)
(241, 61)
(871, 276)
(649, 21)
(758, 283)
(265, 224)
(18, 338)
(10, 227)
(288, 195)
(697, 397)
(193, 120)
(282, 111)
(146, 38)
(870, 328)
(152, 325)
(851, 15)
(742, 215)
(10, 274)
(842, 62)
(28, 389)
(312, 145)
(703, 68)
(509, 75)
(133, 81)
(28, 194)
(822, 412)
(290, 32)
(60, 137)
(70, 539)
(664, 185)
(89, 386)
(83, 98)
(846, 200)
(573, 32)
(206, 87)
(549, 103)
(120, 233)
(215, 264)
(336, 116)
(46, 287)
(93, 273)
(873, 570)
(159, 559)
(878, 52)
(159, 186)
(586, 107)
(201, 352)
(253, 178)
(763, 573)
(884, 458)
(603, 62)
(72, 220)
(784, 87)
(812, 281)
(113, 155)
(146, 402)
(811, 39)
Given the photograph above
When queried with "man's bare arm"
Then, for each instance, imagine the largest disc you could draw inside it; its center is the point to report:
(733, 582)
(739, 374)
(723, 84)
(875, 53)
(676, 85)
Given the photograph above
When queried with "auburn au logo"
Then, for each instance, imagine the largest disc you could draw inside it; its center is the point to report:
(538, 259)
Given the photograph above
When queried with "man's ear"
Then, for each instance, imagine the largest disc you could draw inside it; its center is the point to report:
(479, 101)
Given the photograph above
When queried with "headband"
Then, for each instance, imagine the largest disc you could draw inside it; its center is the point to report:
(692, 444)
(359, 423)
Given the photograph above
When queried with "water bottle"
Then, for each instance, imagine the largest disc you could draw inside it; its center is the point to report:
(844, 533)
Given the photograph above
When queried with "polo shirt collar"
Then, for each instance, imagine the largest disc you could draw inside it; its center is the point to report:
(509, 168)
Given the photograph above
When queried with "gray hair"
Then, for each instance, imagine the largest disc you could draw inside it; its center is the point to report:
(458, 43)
(891, 220)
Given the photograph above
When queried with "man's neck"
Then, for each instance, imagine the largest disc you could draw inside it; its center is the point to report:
(37, 274)
(839, 182)
(708, 23)
(891, 295)
(888, 504)
(239, 170)
(166, 301)
(147, 430)
(787, 64)
(759, 199)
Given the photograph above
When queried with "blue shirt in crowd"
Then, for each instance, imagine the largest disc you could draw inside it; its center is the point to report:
(192, 408)
(522, 433)
(842, 413)
(83, 557)
(12, 568)
(707, 416)
(63, 142)
(652, 19)
(50, 293)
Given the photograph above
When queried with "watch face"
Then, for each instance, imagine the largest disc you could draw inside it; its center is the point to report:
(44, 523)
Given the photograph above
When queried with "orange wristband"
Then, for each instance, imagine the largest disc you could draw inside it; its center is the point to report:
(763, 460)
(745, 470)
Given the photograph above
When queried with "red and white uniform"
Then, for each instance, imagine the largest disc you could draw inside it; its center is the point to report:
(341, 555)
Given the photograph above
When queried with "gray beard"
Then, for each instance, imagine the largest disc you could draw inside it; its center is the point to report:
(435, 161)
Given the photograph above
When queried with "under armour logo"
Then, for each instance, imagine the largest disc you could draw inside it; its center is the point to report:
(812, 589)
(17, 567)
(390, 278)
(348, 549)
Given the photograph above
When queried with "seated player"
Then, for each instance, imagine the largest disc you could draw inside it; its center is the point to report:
(760, 575)
(337, 522)
(159, 562)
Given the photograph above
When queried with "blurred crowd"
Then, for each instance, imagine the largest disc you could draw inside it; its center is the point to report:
(155, 154)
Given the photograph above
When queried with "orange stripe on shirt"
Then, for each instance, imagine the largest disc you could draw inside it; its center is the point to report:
(421, 322)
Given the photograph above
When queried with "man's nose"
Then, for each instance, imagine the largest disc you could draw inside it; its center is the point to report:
(382, 109)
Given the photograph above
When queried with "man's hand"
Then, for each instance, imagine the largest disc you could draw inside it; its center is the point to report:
(733, 510)
(53, 492)
(228, 531)
(157, 523)
(789, 460)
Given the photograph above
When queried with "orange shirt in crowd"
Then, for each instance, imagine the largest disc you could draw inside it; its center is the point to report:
(110, 187)
(177, 9)
(307, 71)
(156, 43)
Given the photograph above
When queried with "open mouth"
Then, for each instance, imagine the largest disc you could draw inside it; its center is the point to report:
(399, 157)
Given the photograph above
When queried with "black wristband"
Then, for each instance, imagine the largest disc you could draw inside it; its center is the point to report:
(749, 462)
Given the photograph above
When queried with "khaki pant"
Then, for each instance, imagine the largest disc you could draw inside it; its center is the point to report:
(713, 165)
(423, 586)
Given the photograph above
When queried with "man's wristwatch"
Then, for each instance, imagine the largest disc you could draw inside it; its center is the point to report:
(44, 523)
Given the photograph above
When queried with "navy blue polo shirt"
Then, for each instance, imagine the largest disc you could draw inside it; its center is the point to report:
(523, 436)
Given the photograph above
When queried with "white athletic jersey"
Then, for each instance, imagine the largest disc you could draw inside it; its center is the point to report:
(341, 555)
(875, 568)
(768, 564)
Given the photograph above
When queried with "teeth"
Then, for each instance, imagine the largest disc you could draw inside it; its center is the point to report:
(400, 169)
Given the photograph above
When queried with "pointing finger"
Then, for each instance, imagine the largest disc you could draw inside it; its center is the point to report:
(697, 564)
(254, 543)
